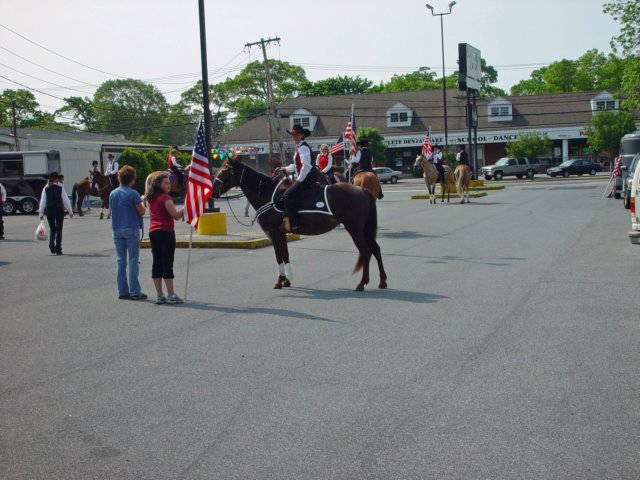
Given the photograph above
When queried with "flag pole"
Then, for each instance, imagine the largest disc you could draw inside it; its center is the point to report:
(350, 141)
(186, 283)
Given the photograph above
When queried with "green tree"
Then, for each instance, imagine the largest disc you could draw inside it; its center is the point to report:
(560, 76)
(337, 86)
(156, 161)
(530, 146)
(136, 159)
(132, 108)
(423, 79)
(627, 12)
(534, 85)
(377, 144)
(82, 111)
(607, 129)
(489, 77)
(28, 113)
(220, 96)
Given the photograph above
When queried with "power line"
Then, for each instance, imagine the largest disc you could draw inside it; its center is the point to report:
(58, 54)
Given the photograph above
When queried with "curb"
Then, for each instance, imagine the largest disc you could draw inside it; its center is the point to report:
(424, 196)
(223, 241)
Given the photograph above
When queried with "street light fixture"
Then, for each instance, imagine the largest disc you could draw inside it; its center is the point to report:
(444, 82)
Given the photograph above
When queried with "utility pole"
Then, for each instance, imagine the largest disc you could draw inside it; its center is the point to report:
(15, 125)
(274, 121)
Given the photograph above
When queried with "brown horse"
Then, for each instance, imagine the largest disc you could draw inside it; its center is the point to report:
(176, 187)
(463, 178)
(349, 205)
(368, 181)
(431, 174)
(82, 188)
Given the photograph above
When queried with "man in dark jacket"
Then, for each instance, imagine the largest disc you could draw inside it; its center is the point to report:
(363, 162)
(55, 201)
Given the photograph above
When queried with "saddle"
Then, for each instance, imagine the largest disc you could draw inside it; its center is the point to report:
(314, 200)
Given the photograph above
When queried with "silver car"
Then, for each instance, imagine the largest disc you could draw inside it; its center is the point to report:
(385, 174)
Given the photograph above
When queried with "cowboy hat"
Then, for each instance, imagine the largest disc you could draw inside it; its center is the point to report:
(363, 142)
(298, 129)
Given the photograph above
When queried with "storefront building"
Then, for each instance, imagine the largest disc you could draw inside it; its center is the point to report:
(404, 118)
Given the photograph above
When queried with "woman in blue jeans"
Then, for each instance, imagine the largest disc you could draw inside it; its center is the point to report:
(126, 221)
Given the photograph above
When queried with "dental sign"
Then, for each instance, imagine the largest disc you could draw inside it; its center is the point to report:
(470, 67)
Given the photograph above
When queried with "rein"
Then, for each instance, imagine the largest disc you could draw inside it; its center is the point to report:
(264, 208)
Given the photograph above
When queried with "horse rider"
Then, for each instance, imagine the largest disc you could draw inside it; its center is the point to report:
(436, 158)
(111, 172)
(325, 162)
(175, 166)
(462, 158)
(363, 162)
(303, 166)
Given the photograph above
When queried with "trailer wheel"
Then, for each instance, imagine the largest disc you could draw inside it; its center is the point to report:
(9, 207)
(28, 206)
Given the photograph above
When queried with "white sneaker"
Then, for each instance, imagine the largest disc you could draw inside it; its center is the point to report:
(161, 300)
(173, 299)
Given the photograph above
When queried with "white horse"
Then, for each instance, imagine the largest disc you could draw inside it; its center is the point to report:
(431, 176)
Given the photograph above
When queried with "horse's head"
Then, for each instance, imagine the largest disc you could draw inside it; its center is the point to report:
(418, 162)
(226, 178)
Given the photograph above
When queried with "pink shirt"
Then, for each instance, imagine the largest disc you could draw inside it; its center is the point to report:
(160, 218)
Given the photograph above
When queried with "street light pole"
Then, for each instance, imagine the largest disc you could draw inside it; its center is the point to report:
(444, 81)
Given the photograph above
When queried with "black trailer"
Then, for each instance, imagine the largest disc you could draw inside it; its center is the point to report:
(24, 175)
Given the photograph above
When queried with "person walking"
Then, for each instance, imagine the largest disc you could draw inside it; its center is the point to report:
(112, 170)
(127, 211)
(3, 198)
(55, 202)
(162, 236)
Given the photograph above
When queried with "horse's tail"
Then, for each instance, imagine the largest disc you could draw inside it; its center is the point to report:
(369, 231)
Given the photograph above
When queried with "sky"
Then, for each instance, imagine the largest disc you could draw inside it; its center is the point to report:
(158, 40)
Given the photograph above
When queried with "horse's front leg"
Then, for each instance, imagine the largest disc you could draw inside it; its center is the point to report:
(79, 201)
(279, 241)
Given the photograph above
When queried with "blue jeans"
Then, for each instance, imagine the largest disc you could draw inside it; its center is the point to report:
(127, 240)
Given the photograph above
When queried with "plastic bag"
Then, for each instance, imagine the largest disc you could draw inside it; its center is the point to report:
(41, 232)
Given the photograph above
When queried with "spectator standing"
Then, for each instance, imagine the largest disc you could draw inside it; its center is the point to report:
(162, 236)
(126, 222)
(55, 202)
(3, 198)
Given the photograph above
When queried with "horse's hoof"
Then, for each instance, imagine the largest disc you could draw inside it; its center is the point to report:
(360, 288)
(382, 285)
(101, 216)
(277, 286)
(286, 283)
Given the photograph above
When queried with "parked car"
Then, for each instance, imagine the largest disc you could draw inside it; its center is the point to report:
(628, 176)
(518, 167)
(385, 174)
(634, 234)
(575, 167)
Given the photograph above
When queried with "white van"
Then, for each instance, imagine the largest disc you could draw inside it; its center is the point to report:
(634, 234)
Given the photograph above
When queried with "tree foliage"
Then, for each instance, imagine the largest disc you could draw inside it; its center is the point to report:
(337, 86)
(28, 112)
(133, 108)
(377, 144)
(607, 129)
(592, 71)
(136, 159)
(530, 146)
(627, 12)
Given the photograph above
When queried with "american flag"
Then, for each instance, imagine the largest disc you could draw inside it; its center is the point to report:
(199, 187)
(426, 147)
(339, 146)
(350, 134)
(617, 172)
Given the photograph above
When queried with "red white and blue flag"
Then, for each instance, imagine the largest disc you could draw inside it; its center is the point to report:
(426, 147)
(199, 186)
(350, 134)
(617, 171)
(338, 147)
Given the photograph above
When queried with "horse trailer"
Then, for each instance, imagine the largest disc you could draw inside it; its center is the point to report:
(24, 174)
